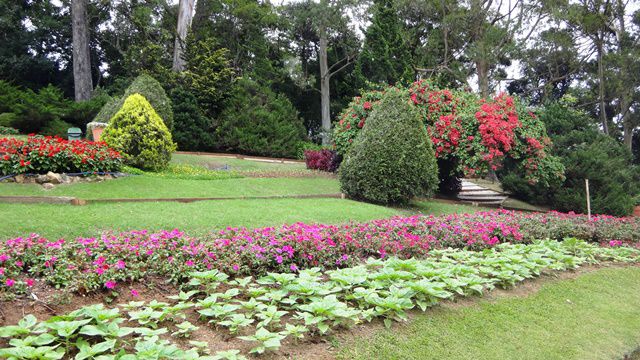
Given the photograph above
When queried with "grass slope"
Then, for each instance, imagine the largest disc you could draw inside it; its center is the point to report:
(235, 164)
(196, 218)
(156, 187)
(595, 316)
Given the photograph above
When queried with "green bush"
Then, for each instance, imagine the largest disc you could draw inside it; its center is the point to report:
(192, 129)
(7, 119)
(139, 133)
(586, 154)
(4, 130)
(257, 121)
(148, 87)
(34, 110)
(56, 127)
(392, 160)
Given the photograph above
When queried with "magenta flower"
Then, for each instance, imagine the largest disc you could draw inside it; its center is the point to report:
(121, 264)
(236, 267)
(134, 293)
(30, 282)
(110, 284)
(10, 282)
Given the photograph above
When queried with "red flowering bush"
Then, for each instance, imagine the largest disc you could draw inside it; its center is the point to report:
(324, 160)
(476, 135)
(88, 264)
(41, 154)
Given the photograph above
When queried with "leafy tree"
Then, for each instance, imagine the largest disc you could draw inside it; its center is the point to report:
(258, 121)
(192, 129)
(385, 57)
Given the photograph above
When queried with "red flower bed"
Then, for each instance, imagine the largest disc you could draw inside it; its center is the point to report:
(41, 154)
(95, 263)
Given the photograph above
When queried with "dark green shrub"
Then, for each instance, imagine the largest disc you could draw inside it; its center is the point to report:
(257, 121)
(192, 129)
(585, 154)
(34, 110)
(392, 160)
(148, 87)
(81, 113)
(56, 127)
(7, 119)
(139, 133)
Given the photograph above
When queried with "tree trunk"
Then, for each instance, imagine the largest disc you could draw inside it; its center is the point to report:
(324, 87)
(82, 82)
(603, 110)
(482, 69)
(627, 86)
(185, 15)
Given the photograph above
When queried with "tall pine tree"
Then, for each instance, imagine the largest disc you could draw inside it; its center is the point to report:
(385, 57)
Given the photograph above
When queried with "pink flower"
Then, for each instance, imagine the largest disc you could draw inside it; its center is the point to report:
(236, 267)
(189, 263)
(110, 284)
(279, 259)
(100, 271)
(134, 293)
(19, 263)
(1, 271)
(293, 267)
(30, 282)
(120, 264)
(10, 282)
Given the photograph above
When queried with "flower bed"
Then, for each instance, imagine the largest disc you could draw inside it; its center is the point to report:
(87, 264)
(258, 315)
(41, 154)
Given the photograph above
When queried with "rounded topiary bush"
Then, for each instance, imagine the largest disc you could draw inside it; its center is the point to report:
(140, 135)
(392, 159)
(148, 87)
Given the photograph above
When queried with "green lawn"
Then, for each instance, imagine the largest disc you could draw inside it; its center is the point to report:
(155, 187)
(595, 316)
(195, 218)
(236, 164)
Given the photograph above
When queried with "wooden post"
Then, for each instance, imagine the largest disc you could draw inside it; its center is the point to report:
(586, 184)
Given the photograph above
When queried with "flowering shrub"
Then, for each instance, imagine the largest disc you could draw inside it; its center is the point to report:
(324, 159)
(477, 135)
(41, 154)
(88, 264)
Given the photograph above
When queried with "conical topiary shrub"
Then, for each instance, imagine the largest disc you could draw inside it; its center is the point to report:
(139, 133)
(392, 159)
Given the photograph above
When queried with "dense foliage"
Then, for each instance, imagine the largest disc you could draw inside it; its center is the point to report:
(476, 136)
(148, 87)
(282, 308)
(140, 135)
(392, 160)
(586, 153)
(192, 130)
(45, 111)
(41, 154)
(257, 121)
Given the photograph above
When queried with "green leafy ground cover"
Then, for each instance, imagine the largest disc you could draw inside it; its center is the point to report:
(281, 309)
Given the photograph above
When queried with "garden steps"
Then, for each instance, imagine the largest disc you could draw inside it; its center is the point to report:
(476, 194)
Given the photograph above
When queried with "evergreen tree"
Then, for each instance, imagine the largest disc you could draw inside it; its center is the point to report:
(385, 57)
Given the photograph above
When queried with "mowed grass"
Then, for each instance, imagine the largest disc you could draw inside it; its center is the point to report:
(595, 316)
(55, 221)
(235, 163)
(156, 187)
